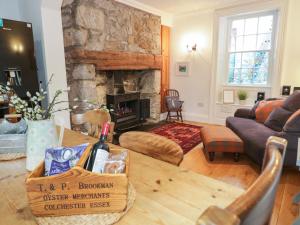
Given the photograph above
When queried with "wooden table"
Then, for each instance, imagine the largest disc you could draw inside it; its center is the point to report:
(166, 194)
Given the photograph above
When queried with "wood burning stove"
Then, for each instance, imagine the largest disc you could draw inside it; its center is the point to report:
(126, 109)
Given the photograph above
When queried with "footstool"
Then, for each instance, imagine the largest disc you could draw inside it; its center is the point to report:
(221, 139)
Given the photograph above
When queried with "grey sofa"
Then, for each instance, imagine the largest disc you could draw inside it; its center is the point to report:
(255, 135)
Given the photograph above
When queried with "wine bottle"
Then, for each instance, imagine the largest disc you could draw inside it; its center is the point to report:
(99, 153)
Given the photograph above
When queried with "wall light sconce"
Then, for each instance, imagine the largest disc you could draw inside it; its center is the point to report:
(191, 48)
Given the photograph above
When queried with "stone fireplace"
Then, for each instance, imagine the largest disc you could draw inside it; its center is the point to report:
(108, 44)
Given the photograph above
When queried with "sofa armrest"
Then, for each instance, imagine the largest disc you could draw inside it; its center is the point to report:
(243, 113)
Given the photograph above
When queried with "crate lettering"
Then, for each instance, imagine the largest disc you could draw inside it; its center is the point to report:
(67, 206)
(52, 187)
(94, 186)
(77, 191)
(48, 197)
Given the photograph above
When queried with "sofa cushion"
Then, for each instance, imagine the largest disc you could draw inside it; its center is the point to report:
(292, 125)
(173, 102)
(265, 108)
(252, 111)
(292, 103)
(253, 134)
(278, 118)
(152, 145)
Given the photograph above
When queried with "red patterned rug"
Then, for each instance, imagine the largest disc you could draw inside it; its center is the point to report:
(185, 135)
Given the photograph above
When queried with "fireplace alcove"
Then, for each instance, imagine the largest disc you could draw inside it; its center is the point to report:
(128, 82)
(127, 95)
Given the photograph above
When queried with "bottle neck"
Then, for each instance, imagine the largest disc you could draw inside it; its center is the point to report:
(103, 138)
(104, 132)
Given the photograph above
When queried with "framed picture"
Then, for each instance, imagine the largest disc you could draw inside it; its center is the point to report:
(286, 90)
(260, 96)
(182, 69)
(228, 96)
(296, 89)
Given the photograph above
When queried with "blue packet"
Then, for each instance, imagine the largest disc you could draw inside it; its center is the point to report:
(61, 159)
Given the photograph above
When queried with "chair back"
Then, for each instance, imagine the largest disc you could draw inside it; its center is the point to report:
(94, 121)
(171, 92)
(255, 206)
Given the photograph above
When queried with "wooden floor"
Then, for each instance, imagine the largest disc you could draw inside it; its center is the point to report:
(243, 174)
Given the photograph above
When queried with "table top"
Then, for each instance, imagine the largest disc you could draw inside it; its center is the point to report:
(166, 194)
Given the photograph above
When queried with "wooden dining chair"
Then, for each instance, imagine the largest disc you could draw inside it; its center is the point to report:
(255, 206)
(173, 104)
(94, 120)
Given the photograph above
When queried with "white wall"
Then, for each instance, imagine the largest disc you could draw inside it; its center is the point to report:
(291, 60)
(201, 90)
(54, 55)
(9, 9)
(195, 88)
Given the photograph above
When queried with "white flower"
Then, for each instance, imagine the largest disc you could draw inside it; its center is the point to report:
(8, 83)
(28, 94)
(37, 93)
(39, 116)
(75, 107)
(76, 99)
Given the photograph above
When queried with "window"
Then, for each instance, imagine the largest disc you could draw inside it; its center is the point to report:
(250, 49)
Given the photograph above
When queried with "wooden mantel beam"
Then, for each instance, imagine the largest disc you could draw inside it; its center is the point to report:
(110, 60)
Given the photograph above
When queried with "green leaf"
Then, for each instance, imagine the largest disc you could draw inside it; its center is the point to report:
(296, 199)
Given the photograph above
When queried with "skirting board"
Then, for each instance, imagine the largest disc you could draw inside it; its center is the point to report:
(190, 117)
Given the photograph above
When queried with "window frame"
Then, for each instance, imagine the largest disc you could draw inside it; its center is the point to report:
(271, 58)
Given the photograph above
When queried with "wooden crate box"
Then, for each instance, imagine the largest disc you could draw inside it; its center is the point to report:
(77, 191)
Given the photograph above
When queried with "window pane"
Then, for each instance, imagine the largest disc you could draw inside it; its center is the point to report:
(235, 60)
(251, 26)
(262, 59)
(237, 76)
(249, 43)
(264, 42)
(260, 76)
(237, 27)
(231, 76)
(249, 50)
(246, 76)
(248, 60)
(232, 44)
(265, 24)
(239, 43)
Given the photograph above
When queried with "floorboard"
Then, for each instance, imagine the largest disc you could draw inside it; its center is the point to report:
(243, 174)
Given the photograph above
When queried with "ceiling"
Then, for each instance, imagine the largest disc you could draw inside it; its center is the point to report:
(177, 7)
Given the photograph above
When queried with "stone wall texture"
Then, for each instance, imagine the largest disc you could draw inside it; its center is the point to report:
(106, 25)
